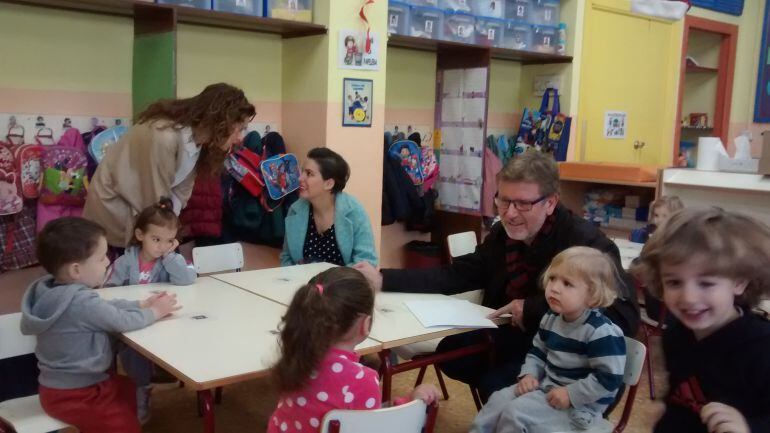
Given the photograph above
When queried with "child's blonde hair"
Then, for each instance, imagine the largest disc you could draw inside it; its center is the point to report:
(593, 267)
(671, 203)
(735, 246)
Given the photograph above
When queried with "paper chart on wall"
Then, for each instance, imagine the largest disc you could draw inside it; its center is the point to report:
(463, 110)
(462, 118)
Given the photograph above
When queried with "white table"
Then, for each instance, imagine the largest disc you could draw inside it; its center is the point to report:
(222, 335)
(628, 251)
(276, 284)
(393, 324)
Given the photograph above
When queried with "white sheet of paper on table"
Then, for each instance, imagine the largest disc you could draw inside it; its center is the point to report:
(455, 312)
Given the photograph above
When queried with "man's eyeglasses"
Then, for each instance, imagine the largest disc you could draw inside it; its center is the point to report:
(521, 205)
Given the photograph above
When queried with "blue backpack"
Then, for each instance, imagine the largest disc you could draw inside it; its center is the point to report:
(409, 155)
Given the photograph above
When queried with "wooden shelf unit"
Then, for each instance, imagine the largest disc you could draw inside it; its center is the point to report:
(188, 15)
(697, 69)
(525, 57)
(573, 190)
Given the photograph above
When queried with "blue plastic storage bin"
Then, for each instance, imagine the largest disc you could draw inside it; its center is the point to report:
(517, 36)
(200, 4)
(455, 5)
(489, 31)
(293, 10)
(546, 13)
(459, 27)
(544, 39)
(398, 17)
(518, 10)
(488, 8)
(243, 7)
(426, 22)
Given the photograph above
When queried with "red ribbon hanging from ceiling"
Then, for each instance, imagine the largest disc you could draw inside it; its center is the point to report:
(362, 14)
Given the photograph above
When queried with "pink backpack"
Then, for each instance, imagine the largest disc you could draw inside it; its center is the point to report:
(10, 197)
(28, 166)
(64, 171)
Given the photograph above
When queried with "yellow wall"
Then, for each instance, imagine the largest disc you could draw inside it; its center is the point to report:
(50, 61)
(248, 60)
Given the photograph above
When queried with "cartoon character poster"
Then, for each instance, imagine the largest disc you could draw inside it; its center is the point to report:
(357, 104)
(355, 53)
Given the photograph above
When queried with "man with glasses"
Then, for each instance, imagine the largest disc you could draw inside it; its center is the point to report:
(533, 228)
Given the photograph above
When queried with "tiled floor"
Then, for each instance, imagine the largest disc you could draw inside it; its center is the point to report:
(246, 406)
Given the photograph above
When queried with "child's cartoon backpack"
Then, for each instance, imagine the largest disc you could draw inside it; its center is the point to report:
(103, 140)
(409, 154)
(10, 199)
(28, 159)
(281, 175)
(64, 171)
(429, 167)
(243, 165)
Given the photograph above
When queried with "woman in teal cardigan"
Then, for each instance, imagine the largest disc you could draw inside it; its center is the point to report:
(326, 224)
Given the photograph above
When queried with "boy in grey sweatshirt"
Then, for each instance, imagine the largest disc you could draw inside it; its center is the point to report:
(75, 327)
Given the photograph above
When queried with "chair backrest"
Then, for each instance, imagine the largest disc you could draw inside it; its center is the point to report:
(413, 417)
(461, 244)
(635, 352)
(12, 342)
(218, 258)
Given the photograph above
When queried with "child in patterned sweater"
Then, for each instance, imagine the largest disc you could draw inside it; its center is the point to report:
(576, 364)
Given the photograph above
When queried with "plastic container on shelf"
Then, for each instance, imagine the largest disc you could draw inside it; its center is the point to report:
(518, 10)
(488, 8)
(545, 12)
(489, 31)
(459, 27)
(517, 36)
(243, 7)
(426, 22)
(544, 39)
(455, 5)
(398, 17)
(200, 4)
(423, 3)
(293, 10)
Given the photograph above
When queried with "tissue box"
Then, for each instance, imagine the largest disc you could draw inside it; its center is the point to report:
(764, 161)
(728, 164)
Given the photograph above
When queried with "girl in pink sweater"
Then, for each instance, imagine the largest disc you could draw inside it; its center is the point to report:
(319, 369)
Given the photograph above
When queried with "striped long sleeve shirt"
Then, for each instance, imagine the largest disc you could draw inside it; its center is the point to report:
(587, 356)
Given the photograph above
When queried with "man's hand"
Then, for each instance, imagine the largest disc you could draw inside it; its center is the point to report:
(515, 308)
(721, 418)
(371, 273)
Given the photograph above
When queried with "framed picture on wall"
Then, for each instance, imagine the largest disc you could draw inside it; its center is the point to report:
(762, 101)
(357, 103)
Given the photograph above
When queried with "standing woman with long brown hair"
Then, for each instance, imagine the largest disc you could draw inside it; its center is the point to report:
(159, 156)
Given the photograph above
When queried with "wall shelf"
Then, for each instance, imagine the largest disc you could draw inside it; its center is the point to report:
(525, 57)
(696, 69)
(284, 28)
(697, 128)
(610, 182)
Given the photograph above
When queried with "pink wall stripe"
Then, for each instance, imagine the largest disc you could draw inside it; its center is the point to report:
(415, 116)
(81, 103)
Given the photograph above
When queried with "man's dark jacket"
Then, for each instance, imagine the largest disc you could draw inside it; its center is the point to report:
(486, 269)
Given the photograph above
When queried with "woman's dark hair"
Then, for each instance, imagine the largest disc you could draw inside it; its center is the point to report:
(332, 166)
(216, 111)
(67, 240)
(321, 312)
(160, 214)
